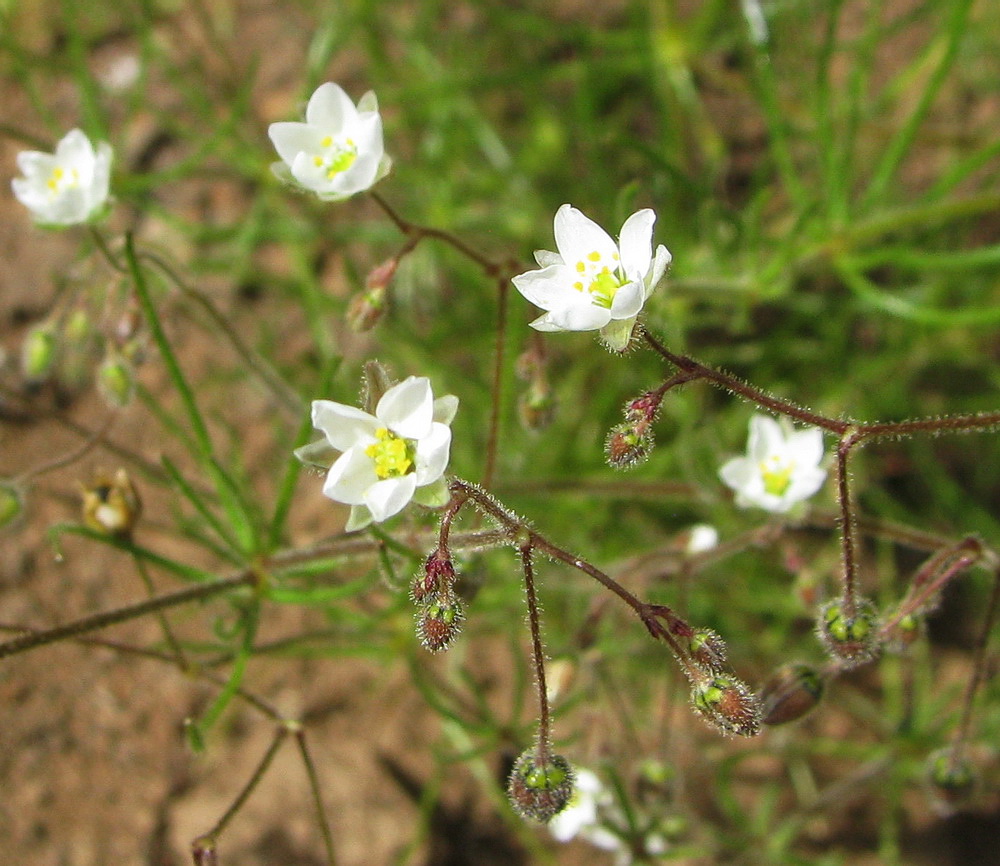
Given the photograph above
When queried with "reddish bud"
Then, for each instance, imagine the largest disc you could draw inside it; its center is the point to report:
(365, 309)
(437, 577)
(643, 409)
(728, 704)
(792, 691)
(627, 446)
(540, 790)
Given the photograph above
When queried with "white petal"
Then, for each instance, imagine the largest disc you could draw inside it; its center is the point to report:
(804, 483)
(432, 454)
(101, 180)
(546, 258)
(627, 301)
(547, 288)
(408, 408)
(577, 236)
(330, 109)
(739, 472)
(368, 102)
(805, 447)
(659, 267)
(344, 426)
(350, 478)
(581, 317)
(766, 437)
(292, 138)
(75, 149)
(35, 164)
(445, 408)
(636, 244)
(390, 496)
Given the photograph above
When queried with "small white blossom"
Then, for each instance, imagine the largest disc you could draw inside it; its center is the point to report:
(397, 454)
(593, 283)
(338, 151)
(67, 187)
(581, 817)
(701, 537)
(781, 466)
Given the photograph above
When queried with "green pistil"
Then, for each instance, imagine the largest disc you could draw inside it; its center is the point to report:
(392, 455)
(777, 478)
(603, 288)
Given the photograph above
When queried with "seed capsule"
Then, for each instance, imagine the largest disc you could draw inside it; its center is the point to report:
(540, 791)
(851, 640)
(439, 622)
(792, 691)
(111, 506)
(727, 703)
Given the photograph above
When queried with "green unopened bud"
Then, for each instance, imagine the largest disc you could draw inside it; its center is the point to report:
(538, 790)
(365, 309)
(707, 650)
(116, 380)
(11, 503)
(851, 640)
(439, 622)
(536, 407)
(951, 778)
(728, 704)
(792, 691)
(375, 381)
(38, 352)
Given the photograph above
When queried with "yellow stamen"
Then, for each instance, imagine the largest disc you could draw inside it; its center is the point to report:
(392, 455)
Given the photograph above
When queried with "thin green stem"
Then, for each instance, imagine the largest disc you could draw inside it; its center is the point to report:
(123, 614)
(314, 786)
(168, 633)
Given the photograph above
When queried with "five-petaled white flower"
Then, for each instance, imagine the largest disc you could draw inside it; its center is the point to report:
(397, 454)
(338, 151)
(781, 466)
(67, 187)
(593, 283)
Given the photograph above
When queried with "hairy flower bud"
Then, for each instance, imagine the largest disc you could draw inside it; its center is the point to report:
(116, 380)
(728, 704)
(538, 790)
(851, 640)
(39, 352)
(707, 650)
(438, 577)
(439, 621)
(643, 409)
(951, 778)
(111, 506)
(627, 446)
(792, 691)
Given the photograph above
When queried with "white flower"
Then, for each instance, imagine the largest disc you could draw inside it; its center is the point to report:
(67, 187)
(581, 817)
(701, 537)
(781, 466)
(592, 283)
(338, 151)
(397, 454)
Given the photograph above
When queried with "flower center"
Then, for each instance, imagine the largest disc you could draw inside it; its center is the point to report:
(599, 278)
(338, 156)
(777, 475)
(60, 180)
(392, 455)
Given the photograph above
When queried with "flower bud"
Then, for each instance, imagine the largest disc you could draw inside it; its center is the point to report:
(728, 704)
(643, 409)
(439, 621)
(438, 577)
(116, 380)
(111, 506)
(707, 650)
(626, 446)
(536, 407)
(792, 691)
(952, 782)
(375, 381)
(851, 640)
(538, 790)
(11, 503)
(906, 632)
(38, 352)
(365, 309)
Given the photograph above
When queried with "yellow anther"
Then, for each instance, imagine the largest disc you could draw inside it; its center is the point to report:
(392, 455)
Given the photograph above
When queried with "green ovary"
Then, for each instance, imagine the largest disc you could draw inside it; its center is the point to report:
(341, 157)
(777, 478)
(392, 455)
